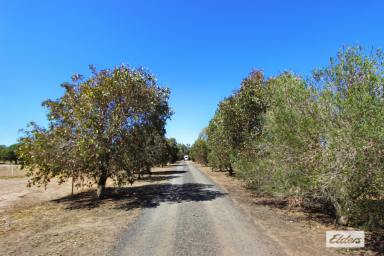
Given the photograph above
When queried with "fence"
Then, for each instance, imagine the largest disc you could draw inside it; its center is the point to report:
(11, 170)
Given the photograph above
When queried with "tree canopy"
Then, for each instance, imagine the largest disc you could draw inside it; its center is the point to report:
(107, 126)
(238, 120)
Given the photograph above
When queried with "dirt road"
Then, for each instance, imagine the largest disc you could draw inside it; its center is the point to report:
(194, 217)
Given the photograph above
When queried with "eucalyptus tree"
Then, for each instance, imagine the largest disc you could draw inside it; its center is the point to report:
(173, 150)
(103, 127)
(237, 121)
(292, 137)
(218, 144)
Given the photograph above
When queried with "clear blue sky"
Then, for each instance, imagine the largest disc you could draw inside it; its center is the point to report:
(200, 49)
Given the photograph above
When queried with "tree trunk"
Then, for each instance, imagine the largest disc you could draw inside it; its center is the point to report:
(230, 171)
(343, 220)
(342, 217)
(139, 176)
(72, 186)
(101, 185)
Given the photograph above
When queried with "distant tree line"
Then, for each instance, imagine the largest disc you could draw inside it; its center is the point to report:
(320, 138)
(175, 151)
(8, 154)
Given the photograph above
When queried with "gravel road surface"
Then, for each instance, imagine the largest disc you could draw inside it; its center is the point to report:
(193, 216)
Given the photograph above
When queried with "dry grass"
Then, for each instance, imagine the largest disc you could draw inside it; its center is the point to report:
(11, 177)
(51, 222)
(52, 229)
(8, 170)
(300, 229)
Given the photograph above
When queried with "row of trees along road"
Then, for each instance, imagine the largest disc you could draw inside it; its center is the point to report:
(319, 139)
(176, 151)
(110, 125)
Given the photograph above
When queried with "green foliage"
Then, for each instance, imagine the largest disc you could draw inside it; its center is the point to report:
(292, 133)
(282, 159)
(322, 138)
(9, 154)
(238, 120)
(108, 126)
(219, 147)
(173, 150)
(352, 106)
(199, 150)
(182, 150)
(2, 152)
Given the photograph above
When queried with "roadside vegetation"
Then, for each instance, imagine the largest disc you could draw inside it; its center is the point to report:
(318, 139)
(109, 126)
(199, 149)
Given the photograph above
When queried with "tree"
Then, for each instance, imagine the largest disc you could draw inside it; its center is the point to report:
(182, 150)
(103, 127)
(238, 120)
(352, 104)
(289, 149)
(219, 147)
(319, 139)
(173, 150)
(2, 152)
(162, 152)
(199, 151)
(9, 153)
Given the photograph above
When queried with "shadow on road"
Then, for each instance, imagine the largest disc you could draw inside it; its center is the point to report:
(177, 164)
(167, 172)
(146, 196)
(154, 178)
